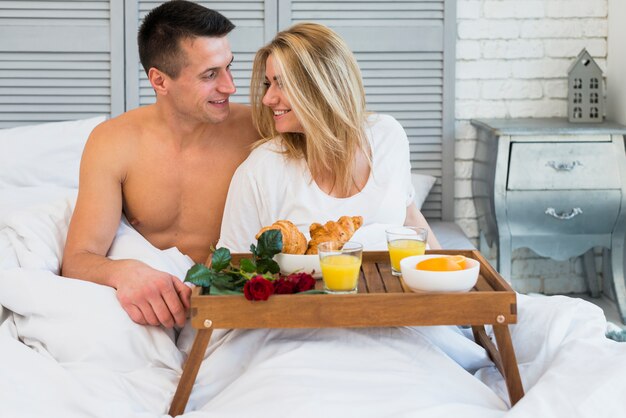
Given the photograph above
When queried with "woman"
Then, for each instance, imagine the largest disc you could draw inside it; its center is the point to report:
(322, 155)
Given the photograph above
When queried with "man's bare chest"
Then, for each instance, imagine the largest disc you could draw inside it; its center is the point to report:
(176, 194)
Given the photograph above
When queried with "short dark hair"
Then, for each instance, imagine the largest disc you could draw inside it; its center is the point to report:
(166, 25)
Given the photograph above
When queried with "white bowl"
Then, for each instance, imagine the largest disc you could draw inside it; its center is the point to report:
(290, 263)
(438, 281)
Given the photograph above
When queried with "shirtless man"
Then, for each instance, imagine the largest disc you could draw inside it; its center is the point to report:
(166, 166)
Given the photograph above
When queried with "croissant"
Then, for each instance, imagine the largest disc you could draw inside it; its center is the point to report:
(342, 231)
(294, 241)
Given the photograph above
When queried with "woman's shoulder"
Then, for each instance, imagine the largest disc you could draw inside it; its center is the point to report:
(264, 160)
(385, 128)
(383, 121)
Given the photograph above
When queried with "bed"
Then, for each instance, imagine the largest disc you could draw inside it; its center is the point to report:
(67, 349)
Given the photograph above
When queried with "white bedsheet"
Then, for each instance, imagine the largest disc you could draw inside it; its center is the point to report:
(67, 349)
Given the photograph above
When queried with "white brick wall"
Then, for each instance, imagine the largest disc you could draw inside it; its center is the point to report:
(512, 60)
(617, 64)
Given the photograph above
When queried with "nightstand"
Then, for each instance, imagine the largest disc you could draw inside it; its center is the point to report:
(555, 187)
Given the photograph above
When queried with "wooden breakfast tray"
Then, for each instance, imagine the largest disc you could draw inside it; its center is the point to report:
(381, 301)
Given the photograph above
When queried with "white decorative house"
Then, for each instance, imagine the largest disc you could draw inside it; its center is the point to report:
(585, 98)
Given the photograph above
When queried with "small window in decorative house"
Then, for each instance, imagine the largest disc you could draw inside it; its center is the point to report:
(578, 113)
(585, 96)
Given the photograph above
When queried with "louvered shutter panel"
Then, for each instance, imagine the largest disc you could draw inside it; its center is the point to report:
(400, 48)
(255, 22)
(60, 60)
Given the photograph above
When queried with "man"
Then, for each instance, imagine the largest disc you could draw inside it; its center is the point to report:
(166, 166)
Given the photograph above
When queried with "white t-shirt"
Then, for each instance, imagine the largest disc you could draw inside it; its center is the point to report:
(268, 186)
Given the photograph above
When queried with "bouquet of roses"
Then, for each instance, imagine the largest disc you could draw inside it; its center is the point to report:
(257, 278)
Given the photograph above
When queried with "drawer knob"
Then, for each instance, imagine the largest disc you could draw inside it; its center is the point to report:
(563, 166)
(564, 216)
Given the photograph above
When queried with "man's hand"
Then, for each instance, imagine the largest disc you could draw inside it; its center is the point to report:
(152, 297)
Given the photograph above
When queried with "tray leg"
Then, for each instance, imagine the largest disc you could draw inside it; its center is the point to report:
(190, 371)
(504, 358)
(482, 339)
(509, 363)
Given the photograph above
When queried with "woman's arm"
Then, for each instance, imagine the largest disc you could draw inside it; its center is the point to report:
(415, 218)
(241, 219)
(402, 166)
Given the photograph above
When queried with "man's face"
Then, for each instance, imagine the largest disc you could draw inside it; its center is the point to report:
(204, 84)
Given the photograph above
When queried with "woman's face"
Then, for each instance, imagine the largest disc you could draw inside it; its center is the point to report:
(285, 119)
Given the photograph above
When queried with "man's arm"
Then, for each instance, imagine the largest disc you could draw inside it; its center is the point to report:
(415, 218)
(148, 296)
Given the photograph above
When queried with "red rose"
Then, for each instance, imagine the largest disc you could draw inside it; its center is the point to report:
(284, 286)
(258, 288)
(303, 281)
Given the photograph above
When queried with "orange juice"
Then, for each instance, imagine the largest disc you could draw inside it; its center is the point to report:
(340, 272)
(401, 248)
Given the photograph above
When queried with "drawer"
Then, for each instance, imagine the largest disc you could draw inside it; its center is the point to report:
(573, 212)
(563, 166)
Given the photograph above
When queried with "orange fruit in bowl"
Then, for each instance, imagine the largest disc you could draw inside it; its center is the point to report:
(443, 263)
(460, 260)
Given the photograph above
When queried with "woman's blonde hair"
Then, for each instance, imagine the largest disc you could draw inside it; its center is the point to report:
(321, 79)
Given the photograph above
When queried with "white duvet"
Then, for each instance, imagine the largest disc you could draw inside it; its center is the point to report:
(67, 349)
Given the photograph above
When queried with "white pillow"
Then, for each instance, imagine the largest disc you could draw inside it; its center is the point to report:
(422, 183)
(48, 153)
(15, 199)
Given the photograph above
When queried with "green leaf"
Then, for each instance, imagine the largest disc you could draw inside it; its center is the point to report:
(228, 281)
(221, 259)
(200, 275)
(247, 265)
(267, 265)
(312, 292)
(269, 244)
(220, 292)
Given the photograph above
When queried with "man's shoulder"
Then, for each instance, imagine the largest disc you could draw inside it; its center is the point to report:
(122, 131)
(240, 120)
(116, 140)
(239, 111)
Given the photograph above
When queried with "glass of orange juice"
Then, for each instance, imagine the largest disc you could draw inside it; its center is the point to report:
(341, 265)
(405, 241)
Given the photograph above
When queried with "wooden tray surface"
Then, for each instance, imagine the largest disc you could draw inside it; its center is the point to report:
(381, 301)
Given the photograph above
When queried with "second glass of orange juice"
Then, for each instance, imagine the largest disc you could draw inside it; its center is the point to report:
(341, 265)
(405, 241)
